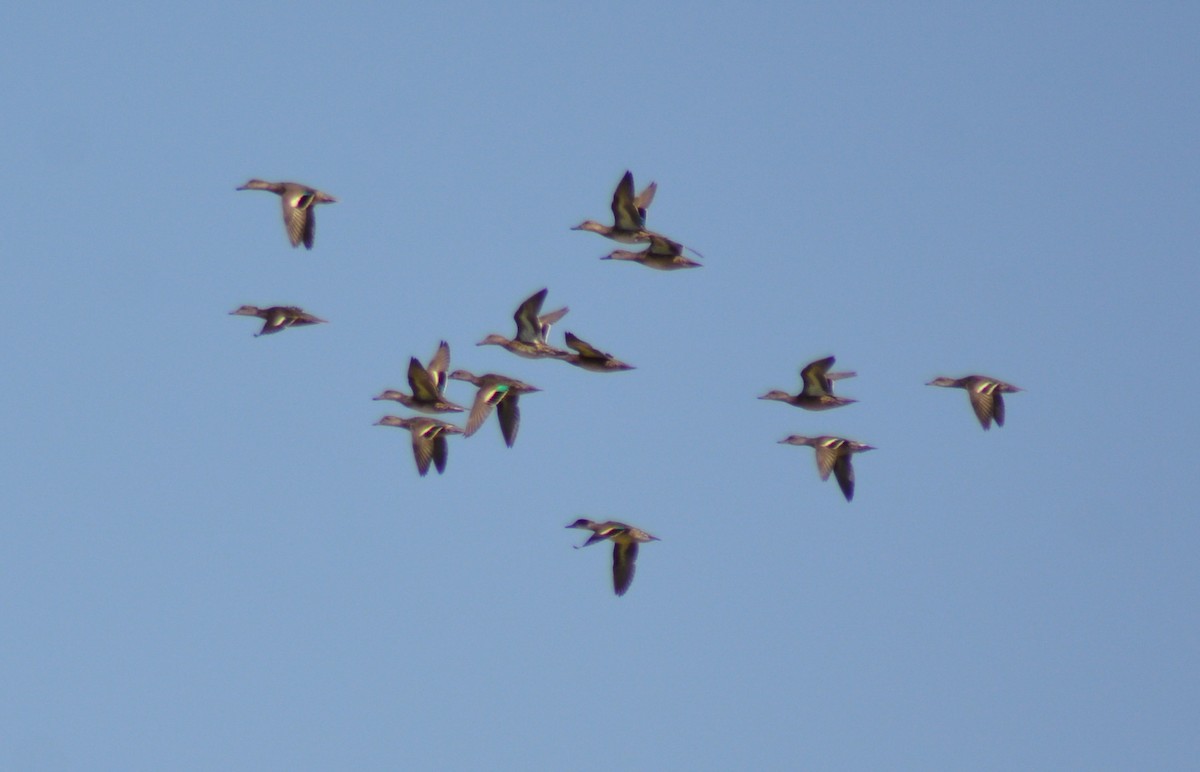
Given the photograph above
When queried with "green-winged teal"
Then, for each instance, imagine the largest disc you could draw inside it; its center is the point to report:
(277, 318)
(662, 255)
(298, 202)
(428, 439)
(532, 330)
(833, 455)
(625, 539)
(495, 391)
(428, 385)
(986, 394)
(591, 358)
(629, 214)
(816, 391)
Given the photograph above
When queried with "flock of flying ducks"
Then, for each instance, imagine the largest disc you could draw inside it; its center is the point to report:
(501, 393)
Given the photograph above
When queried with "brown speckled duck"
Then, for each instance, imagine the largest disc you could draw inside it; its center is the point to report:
(532, 330)
(277, 318)
(495, 391)
(833, 455)
(662, 255)
(427, 384)
(428, 439)
(590, 358)
(816, 391)
(629, 214)
(986, 395)
(625, 539)
(298, 202)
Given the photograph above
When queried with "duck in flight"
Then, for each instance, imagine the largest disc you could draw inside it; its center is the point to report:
(662, 255)
(816, 390)
(499, 392)
(277, 318)
(986, 395)
(625, 539)
(590, 358)
(532, 329)
(428, 385)
(629, 214)
(833, 455)
(298, 201)
(428, 439)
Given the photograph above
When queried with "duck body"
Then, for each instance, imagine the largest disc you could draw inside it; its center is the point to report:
(590, 358)
(276, 318)
(497, 392)
(985, 393)
(625, 539)
(663, 254)
(428, 385)
(532, 329)
(298, 201)
(833, 455)
(629, 214)
(428, 439)
(816, 388)
(527, 350)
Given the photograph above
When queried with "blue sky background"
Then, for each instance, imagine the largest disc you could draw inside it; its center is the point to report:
(210, 558)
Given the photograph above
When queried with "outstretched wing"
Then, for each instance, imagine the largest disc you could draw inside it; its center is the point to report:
(546, 320)
(584, 348)
(526, 317)
(624, 563)
(439, 365)
(983, 402)
(510, 417)
(624, 208)
(661, 245)
(422, 444)
(440, 452)
(813, 380)
(297, 217)
(424, 388)
(826, 458)
(485, 399)
(644, 199)
(844, 472)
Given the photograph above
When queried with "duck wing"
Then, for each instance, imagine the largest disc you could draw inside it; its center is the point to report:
(998, 408)
(826, 458)
(644, 199)
(439, 365)
(297, 216)
(302, 318)
(510, 417)
(624, 564)
(526, 317)
(423, 437)
(662, 246)
(624, 208)
(545, 321)
(585, 349)
(440, 452)
(485, 400)
(813, 380)
(844, 472)
(424, 387)
(983, 402)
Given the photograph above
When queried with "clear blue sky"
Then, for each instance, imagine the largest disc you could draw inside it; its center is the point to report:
(210, 558)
